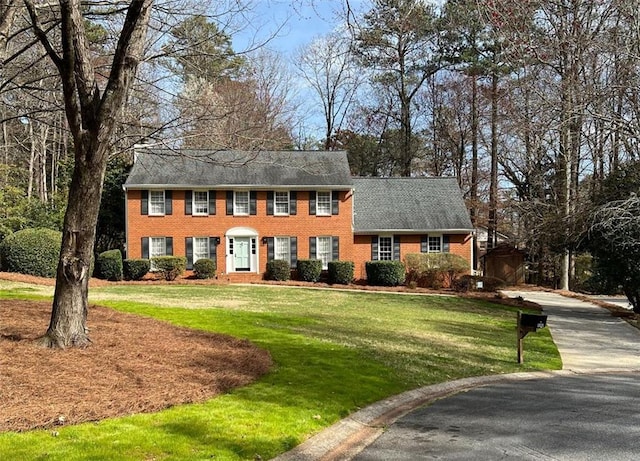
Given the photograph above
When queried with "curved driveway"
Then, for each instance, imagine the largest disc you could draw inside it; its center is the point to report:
(588, 337)
(590, 411)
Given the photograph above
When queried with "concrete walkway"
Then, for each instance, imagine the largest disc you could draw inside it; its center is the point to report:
(589, 340)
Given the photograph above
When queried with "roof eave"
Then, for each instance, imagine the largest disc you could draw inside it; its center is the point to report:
(411, 231)
(239, 186)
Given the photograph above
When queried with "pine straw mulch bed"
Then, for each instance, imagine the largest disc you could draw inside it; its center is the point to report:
(134, 365)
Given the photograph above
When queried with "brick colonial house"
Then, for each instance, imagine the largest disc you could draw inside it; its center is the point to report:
(243, 209)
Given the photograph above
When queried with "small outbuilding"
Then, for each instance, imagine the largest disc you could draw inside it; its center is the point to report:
(505, 262)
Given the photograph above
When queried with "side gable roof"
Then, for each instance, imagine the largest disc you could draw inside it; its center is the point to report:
(409, 204)
(259, 170)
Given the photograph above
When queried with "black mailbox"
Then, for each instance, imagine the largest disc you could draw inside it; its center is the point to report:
(533, 321)
(528, 323)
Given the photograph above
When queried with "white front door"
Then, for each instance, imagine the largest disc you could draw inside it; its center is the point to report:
(241, 252)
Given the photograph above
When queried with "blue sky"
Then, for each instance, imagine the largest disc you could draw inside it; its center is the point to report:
(294, 22)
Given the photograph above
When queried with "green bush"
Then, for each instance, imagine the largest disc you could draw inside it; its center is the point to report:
(32, 251)
(4, 232)
(309, 270)
(109, 265)
(204, 268)
(278, 269)
(385, 273)
(435, 270)
(340, 272)
(169, 267)
(135, 269)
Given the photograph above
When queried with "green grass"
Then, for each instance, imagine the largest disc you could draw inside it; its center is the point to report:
(334, 352)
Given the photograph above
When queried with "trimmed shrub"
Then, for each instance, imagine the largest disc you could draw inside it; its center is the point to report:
(204, 268)
(278, 269)
(341, 272)
(169, 267)
(32, 251)
(135, 269)
(109, 265)
(309, 270)
(435, 270)
(385, 273)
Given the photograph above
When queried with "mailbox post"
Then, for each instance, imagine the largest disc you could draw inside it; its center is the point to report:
(526, 324)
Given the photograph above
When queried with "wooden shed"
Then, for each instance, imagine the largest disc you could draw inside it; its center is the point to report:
(505, 262)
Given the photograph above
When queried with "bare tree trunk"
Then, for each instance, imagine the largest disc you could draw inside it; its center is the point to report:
(32, 159)
(474, 150)
(69, 313)
(92, 117)
(493, 188)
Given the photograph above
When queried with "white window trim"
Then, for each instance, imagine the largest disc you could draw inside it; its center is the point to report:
(150, 206)
(235, 205)
(151, 247)
(380, 237)
(429, 244)
(193, 203)
(275, 203)
(206, 254)
(276, 254)
(318, 213)
(325, 264)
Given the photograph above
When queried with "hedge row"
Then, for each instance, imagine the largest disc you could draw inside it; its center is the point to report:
(310, 270)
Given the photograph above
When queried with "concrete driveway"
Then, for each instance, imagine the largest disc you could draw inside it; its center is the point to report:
(588, 337)
(588, 411)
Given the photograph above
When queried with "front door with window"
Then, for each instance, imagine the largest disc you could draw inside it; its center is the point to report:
(241, 252)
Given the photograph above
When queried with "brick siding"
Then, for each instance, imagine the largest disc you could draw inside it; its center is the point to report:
(303, 225)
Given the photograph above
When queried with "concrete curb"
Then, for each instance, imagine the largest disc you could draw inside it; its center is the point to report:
(349, 436)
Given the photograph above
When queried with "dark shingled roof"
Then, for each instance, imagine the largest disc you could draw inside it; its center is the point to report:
(214, 169)
(409, 204)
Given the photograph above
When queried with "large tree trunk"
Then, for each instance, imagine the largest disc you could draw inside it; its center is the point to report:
(92, 117)
(69, 314)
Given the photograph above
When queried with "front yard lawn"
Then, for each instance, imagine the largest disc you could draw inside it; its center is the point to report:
(334, 352)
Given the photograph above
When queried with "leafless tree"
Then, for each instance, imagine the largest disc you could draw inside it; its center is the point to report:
(328, 66)
(91, 106)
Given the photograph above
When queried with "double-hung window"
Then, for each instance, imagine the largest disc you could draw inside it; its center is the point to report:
(385, 248)
(324, 251)
(323, 203)
(157, 247)
(282, 248)
(281, 199)
(200, 202)
(241, 203)
(156, 202)
(435, 244)
(200, 248)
